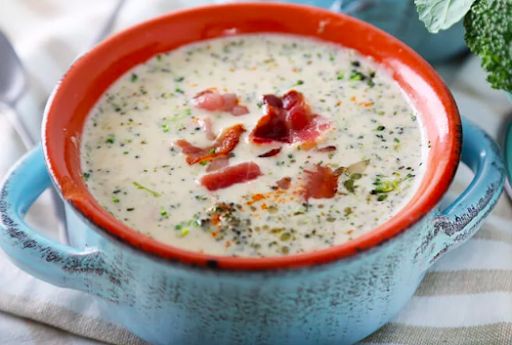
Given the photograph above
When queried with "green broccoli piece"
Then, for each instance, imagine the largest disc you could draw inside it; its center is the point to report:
(440, 15)
(489, 34)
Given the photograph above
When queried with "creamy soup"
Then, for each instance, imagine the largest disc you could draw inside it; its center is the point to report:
(254, 145)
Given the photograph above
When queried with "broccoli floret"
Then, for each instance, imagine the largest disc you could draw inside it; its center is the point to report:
(489, 34)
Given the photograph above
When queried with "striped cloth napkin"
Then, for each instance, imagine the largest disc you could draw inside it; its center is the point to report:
(466, 298)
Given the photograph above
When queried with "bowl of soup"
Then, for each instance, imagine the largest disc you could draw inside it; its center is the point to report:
(250, 173)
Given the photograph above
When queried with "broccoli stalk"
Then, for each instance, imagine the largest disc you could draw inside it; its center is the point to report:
(489, 34)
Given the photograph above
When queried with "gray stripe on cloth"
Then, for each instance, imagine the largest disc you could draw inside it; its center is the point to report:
(16, 330)
(502, 208)
(491, 334)
(67, 320)
(465, 282)
(492, 233)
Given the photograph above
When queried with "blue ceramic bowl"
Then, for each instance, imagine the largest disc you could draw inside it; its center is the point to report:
(400, 19)
(170, 296)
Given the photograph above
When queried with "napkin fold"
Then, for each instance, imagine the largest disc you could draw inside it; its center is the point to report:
(466, 298)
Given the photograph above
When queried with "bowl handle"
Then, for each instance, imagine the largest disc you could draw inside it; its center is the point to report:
(463, 217)
(40, 256)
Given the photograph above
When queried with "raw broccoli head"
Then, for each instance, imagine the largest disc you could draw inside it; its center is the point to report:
(489, 34)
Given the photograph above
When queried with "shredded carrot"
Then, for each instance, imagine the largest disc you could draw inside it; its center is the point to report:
(276, 196)
(257, 197)
(308, 145)
(215, 219)
(366, 104)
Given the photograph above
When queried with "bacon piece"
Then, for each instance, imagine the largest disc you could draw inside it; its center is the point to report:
(299, 115)
(187, 148)
(270, 153)
(208, 100)
(271, 127)
(320, 183)
(238, 110)
(229, 176)
(317, 126)
(330, 148)
(212, 100)
(229, 101)
(207, 126)
(273, 100)
(288, 119)
(218, 163)
(222, 146)
(284, 183)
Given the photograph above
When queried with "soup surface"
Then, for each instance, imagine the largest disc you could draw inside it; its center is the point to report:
(254, 145)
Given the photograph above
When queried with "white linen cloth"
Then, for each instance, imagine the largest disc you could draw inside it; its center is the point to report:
(465, 299)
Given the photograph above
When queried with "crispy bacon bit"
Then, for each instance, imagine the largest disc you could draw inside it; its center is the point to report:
(229, 176)
(229, 101)
(273, 101)
(317, 126)
(212, 100)
(206, 124)
(222, 146)
(284, 183)
(209, 100)
(270, 153)
(288, 119)
(330, 148)
(187, 148)
(218, 163)
(271, 127)
(320, 183)
(238, 110)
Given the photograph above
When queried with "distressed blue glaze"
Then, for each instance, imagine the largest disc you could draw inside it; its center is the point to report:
(166, 302)
(400, 19)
